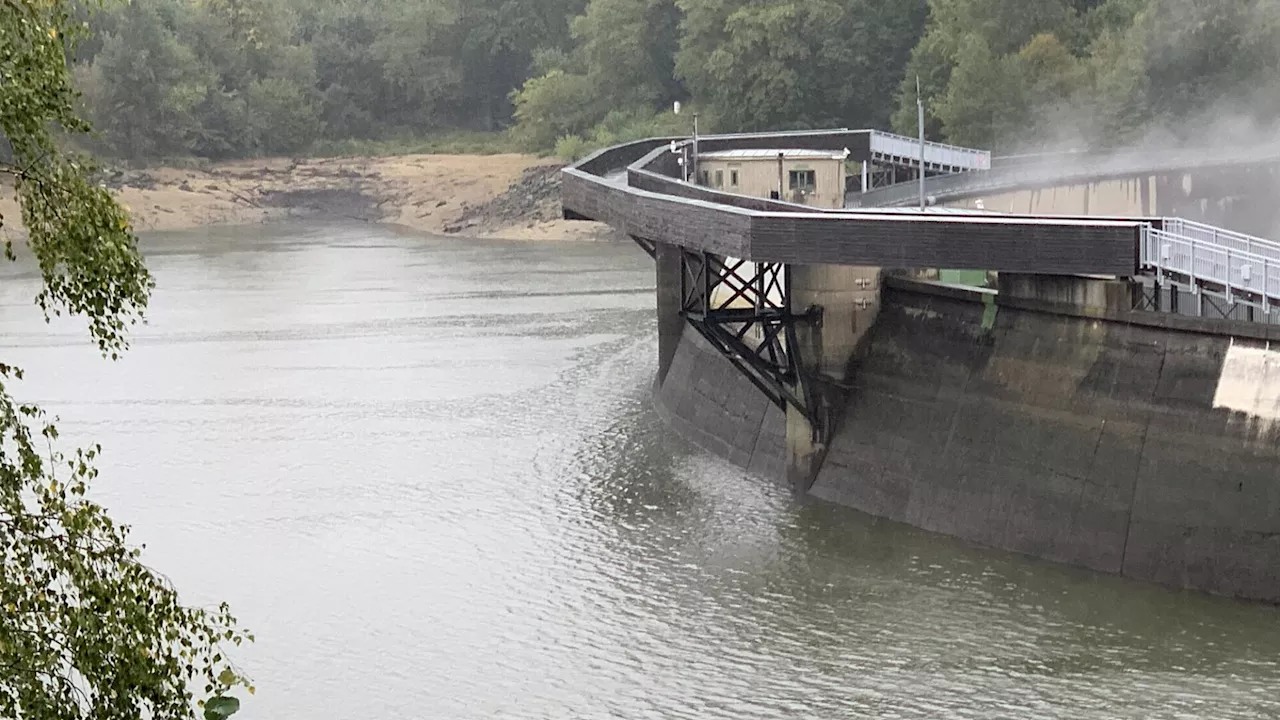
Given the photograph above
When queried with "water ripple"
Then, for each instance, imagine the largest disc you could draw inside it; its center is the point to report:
(428, 475)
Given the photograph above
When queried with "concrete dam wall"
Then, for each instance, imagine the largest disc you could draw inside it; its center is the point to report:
(1240, 198)
(1111, 445)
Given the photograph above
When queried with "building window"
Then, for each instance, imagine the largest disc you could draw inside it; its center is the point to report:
(803, 180)
(733, 178)
(719, 178)
(703, 177)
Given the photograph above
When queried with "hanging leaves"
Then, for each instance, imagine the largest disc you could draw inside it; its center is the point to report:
(87, 630)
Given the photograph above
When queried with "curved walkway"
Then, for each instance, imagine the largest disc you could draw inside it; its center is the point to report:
(656, 206)
(635, 188)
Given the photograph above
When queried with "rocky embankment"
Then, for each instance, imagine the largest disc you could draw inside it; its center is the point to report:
(529, 208)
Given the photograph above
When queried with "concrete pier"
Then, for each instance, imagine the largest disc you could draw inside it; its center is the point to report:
(846, 299)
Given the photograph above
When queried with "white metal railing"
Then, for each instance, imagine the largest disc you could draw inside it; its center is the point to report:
(1237, 262)
(938, 154)
(1223, 237)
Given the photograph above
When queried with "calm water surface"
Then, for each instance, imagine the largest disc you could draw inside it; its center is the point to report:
(425, 472)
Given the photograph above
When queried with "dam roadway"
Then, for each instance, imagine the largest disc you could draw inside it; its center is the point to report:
(1112, 404)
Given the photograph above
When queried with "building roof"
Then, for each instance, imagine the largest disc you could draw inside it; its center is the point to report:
(766, 154)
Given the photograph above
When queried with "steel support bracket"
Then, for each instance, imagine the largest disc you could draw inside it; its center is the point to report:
(743, 309)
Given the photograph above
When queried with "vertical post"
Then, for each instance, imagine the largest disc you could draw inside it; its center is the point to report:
(866, 175)
(1266, 286)
(1191, 272)
(920, 119)
(1231, 299)
(781, 174)
(1151, 254)
(695, 148)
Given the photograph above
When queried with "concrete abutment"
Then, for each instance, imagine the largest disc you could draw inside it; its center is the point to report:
(844, 300)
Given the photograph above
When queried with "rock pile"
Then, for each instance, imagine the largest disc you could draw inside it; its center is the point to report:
(534, 198)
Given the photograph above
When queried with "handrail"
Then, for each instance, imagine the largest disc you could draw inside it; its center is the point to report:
(1203, 261)
(939, 154)
(1222, 236)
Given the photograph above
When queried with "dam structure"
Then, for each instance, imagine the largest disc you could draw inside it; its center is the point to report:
(1109, 400)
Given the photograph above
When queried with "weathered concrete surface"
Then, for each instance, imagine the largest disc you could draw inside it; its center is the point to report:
(711, 404)
(668, 290)
(1150, 450)
(1088, 295)
(1123, 197)
(1085, 441)
(1240, 198)
(848, 297)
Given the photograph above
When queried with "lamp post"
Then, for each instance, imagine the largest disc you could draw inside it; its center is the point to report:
(695, 148)
(920, 120)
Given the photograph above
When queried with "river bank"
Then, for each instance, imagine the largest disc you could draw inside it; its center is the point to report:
(496, 196)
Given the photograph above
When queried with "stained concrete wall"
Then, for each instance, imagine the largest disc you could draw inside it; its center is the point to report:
(1125, 197)
(1240, 198)
(707, 401)
(1104, 444)
(1095, 443)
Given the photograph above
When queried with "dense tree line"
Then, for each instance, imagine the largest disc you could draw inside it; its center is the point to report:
(220, 78)
(1011, 73)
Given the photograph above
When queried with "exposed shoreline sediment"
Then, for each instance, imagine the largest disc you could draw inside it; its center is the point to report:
(497, 196)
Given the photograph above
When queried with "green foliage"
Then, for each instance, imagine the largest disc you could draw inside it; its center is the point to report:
(1007, 73)
(231, 78)
(621, 72)
(552, 106)
(223, 78)
(817, 63)
(622, 127)
(627, 49)
(86, 630)
(572, 147)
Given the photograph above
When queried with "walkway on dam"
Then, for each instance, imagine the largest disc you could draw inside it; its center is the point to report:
(636, 188)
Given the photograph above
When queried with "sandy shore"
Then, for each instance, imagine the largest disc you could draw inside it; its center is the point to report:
(445, 194)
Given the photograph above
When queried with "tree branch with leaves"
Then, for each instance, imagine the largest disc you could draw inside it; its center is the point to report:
(86, 630)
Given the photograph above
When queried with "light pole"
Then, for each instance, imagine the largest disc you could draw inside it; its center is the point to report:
(695, 148)
(920, 120)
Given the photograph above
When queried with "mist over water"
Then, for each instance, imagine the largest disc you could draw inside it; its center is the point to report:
(426, 474)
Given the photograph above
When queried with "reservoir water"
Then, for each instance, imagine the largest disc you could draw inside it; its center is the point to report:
(426, 473)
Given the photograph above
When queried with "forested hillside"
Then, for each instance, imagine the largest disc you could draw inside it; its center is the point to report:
(228, 78)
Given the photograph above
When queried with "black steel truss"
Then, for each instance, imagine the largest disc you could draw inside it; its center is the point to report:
(1170, 295)
(1148, 297)
(647, 245)
(744, 310)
